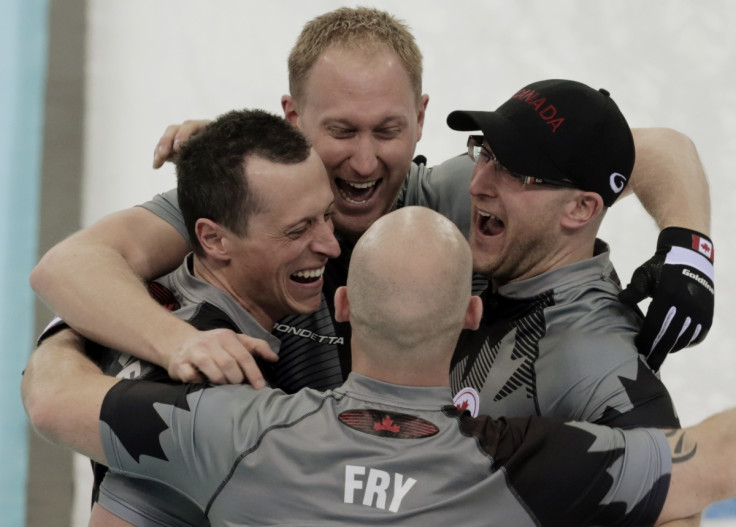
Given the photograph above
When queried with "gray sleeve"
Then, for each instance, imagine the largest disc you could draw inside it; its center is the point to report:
(443, 188)
(185, 436)
(166, 207)
(146, 503)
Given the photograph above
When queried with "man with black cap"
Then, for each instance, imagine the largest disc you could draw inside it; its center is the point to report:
(555, 339)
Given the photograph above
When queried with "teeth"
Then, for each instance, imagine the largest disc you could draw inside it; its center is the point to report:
(312, 273)
(351, 200)
(362, 185)
(484, 214)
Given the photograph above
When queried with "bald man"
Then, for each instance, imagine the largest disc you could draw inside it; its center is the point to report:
(385, 447)
(406, 314)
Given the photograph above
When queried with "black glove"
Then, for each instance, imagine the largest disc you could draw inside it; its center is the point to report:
(679, 278)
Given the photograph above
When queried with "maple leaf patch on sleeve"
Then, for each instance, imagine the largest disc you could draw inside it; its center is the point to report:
(128, 409)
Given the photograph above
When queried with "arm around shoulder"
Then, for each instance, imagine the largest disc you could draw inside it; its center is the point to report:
(94, 280)
(146, 244)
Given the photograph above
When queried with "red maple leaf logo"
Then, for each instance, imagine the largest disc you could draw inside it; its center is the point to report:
(387, 424)
(462, 406)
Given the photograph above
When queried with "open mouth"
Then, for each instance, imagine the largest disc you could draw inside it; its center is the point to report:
(357, 193)
(489, 224)
(308, 276)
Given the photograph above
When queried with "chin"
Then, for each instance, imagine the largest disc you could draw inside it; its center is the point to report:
(354, 226)
(304, 308)
(484, 267)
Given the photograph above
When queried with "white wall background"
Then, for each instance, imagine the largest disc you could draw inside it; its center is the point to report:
(666, 63)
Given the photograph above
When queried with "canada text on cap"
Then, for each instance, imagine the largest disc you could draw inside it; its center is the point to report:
(559, 130)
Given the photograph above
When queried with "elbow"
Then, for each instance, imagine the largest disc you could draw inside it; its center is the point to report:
(41, 276)
(49, 268)
(677, 138)
(42, 395)
(668, 138)
(38, 406)
(41, 420)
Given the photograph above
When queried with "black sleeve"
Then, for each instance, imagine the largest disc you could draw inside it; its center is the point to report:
(652, 404)
(571, 473)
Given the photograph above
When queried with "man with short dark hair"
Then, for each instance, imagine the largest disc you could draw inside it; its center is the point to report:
(258, 206)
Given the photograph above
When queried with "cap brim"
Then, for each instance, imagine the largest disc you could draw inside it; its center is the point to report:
(465, 121)
(501, 133)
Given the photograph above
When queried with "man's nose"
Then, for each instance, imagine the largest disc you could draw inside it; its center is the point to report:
(325, 242)
(364, 158)
(483, 181)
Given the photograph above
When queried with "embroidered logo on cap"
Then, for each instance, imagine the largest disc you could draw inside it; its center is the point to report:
(618, 182)
(547, 112)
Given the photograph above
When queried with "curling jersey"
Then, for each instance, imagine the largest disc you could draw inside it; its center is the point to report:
(560, 344)
(372, 453)
(203, 305)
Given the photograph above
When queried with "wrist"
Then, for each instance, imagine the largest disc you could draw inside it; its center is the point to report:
(686, 238)
(168, 338)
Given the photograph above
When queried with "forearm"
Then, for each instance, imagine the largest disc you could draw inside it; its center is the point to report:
(692, 521)
(715, 439)
(106, 302)
(703, 466)
(62, 392)
(669, 179)
(94, 280)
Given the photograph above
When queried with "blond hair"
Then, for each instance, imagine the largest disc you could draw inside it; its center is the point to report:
(354, 28)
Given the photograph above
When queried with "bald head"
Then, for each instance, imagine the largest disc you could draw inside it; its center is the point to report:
(409, 284)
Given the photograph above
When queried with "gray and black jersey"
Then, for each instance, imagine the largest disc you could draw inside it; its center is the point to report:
(313, 345)
(197, 302)
(372, 453)
(204, 306)
(314, 349)
(560, 344)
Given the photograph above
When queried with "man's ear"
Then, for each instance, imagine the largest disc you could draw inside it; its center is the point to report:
(212, 238)
(424, 101)
(474, 313)
(342, 306)
(288, 105)
(583, 208)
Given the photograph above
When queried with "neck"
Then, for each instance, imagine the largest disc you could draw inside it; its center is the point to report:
(561, 256)
(215, 274)
(411, 368)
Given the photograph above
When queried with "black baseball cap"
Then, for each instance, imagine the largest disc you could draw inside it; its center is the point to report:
(559, 130)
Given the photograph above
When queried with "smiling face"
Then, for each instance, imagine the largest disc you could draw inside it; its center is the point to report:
(277, 265)
(516, 229)
(361, 115)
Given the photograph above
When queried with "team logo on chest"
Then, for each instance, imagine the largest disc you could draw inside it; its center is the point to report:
(467, 399)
